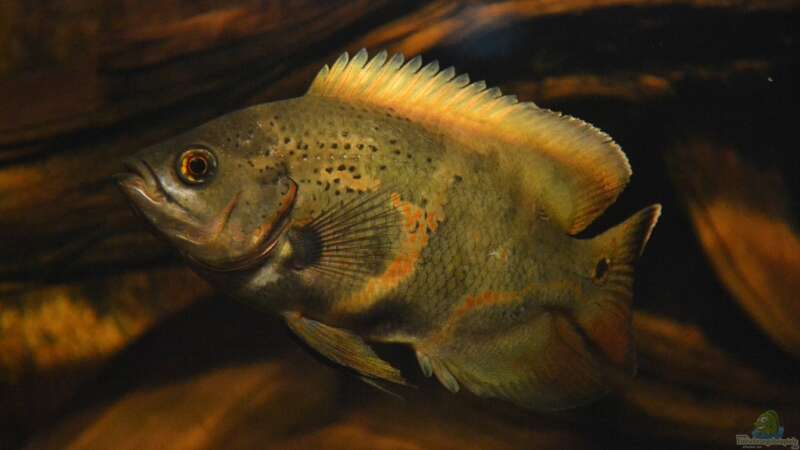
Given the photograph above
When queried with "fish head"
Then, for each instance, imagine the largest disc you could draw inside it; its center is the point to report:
(767, 422)
(203, 192)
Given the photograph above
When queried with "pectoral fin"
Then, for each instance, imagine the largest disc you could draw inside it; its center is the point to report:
(343, 347)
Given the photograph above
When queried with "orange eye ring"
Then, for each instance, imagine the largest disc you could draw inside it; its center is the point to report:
(196, 165)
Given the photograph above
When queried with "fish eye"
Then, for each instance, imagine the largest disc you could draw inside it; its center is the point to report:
(196, 165)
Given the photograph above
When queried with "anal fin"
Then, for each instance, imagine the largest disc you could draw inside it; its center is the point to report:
(342, 347)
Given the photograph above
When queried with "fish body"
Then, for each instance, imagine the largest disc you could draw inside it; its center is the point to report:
(399, 203)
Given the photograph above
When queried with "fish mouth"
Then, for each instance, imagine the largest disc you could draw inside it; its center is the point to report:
(141, 182)
(150, 201)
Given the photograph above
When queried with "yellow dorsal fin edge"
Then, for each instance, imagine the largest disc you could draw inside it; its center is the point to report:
(575, 170)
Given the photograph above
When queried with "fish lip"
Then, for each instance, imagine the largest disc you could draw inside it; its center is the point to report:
(141, 178)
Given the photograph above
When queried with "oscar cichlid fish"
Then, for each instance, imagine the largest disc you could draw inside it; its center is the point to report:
(400, 203)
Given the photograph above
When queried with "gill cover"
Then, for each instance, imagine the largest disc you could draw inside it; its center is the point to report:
(261, 241)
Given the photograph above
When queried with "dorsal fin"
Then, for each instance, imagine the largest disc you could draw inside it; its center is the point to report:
(573, 169)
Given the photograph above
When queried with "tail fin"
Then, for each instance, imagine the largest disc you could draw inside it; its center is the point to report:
(619, 247)
(606, 315)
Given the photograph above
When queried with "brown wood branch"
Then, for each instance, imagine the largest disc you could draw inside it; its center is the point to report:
(55, 337)
(143, 69)
(138, 66)
(750, 235)
(658, 410)
(674, 352)
(50, 326)
(245, 405)
(442, 24)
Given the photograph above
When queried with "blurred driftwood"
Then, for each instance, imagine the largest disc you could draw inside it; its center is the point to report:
(55, 337)
(291, 401)
(745, 221)
(239, 407)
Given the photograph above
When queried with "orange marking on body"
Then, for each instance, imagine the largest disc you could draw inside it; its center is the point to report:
(412, 217)
(432, 221)
(473, 303)
(486, 298)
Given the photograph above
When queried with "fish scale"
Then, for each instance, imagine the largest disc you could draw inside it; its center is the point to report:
(447, 270)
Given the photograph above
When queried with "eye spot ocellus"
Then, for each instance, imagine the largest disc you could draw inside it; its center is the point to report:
(601, 271)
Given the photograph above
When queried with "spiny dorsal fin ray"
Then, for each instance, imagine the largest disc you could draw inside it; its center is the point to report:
(571, 168)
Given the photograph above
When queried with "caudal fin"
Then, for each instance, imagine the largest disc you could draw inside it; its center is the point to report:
(605, 317)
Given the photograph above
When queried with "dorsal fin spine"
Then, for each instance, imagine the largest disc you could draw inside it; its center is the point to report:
(337, 70)
(356, 70)
(369, 73)
(454, 100)
(426, 73)
(507, 104)
(386, 71)
(372, 68)
(467, 96)
(321, 75)
(414, 64)
(475, 97)
(406, 79)
(486, 100)
(441, 79)
(461, 80)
